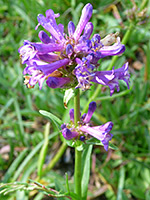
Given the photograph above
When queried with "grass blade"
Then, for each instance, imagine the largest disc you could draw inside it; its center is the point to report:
(14, 165)
(121, 183)
(86, 170)
(43, 151)
(30, 156)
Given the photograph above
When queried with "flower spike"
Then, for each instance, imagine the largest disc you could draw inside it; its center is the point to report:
(71, 60)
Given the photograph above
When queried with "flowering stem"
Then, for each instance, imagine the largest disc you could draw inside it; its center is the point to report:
(78, 154)
(77, 108)
(120, 94)
(77, 174)
(95, 94)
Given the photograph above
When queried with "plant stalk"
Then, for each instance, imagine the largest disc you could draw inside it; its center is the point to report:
(77, 108)
(78, 154)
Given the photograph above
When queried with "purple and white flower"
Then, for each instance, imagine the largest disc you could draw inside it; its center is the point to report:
(71, 60)
(111, 78)
(84, 128)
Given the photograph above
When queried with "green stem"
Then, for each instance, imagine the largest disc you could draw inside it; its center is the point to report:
(95, 94)
(77, 108)
(77, 174)
(78, 154)
(104, 98)
(144, 4)
(114, 59)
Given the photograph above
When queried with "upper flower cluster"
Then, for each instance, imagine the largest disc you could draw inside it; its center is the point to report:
(71, 60)
(84, 128)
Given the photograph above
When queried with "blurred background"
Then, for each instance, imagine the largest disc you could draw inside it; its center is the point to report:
(120, 174)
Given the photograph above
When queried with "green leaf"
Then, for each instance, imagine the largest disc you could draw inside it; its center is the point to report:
(147, 195)
(14, 165)
(74, 196)
(73, 143)
(121, 183)
(20, 122)
(67, 183)
(137, 191)
(95, 141)
(43, 151)
(112, 146)
(59, 186)
(53, 118)
(70, 93)
(86, 156)
(8, 104)
(30, 157)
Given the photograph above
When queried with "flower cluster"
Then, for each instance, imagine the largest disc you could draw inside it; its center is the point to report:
(102, 133)
(71, 60)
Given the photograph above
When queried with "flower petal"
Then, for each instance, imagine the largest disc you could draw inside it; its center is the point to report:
(57, 82)
(71, 28)
(110, 78)
(49, 68)
(71, 113)
(68, 135)
(85, 17)
(44, 37)
(49, 23)
(91, 110)
(100, 132)
(112, 50)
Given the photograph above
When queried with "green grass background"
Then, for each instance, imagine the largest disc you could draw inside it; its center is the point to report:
(125, 172)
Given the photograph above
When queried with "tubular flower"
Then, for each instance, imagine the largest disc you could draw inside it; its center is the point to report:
(102, 133)
(71, 60)
(110, 78)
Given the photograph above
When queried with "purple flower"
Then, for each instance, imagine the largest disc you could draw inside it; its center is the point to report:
(85, 17)
(103, 51)
(84, 128)
(27, 52)
(68, 134)
(100, 132)
(57, 82)
(86, 74)
(71, 113)
(49, 23)
(71, 29)
(91, 110)
(112, 50)
(44, 37)
(70, 60)
(40, 71)
(37, 77)
(87, 32)
(47, 69)
(110, 78)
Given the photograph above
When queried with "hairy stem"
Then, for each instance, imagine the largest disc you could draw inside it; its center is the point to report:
(78, 154)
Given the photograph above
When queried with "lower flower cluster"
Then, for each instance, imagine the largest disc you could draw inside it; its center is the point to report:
(84, 128)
